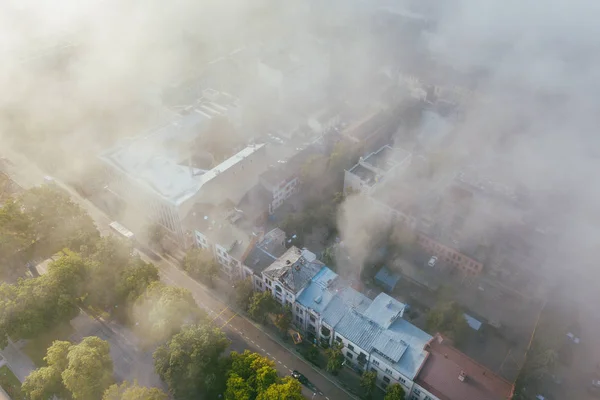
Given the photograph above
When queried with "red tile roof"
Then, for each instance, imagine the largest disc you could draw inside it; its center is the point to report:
(441, 370)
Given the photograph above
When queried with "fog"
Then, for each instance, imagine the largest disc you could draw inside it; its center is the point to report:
(77, 76)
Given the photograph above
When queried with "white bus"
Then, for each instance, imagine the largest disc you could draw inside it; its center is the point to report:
(121, 230)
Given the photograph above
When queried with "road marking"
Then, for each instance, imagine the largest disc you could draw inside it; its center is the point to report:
(225, 309)
(229, 320)
(269, 354)
(286, 367)
(279, 362)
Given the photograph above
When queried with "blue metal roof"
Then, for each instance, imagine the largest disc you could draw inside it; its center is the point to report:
(387, 278)
(472, 322)
(358, 329)
(316, 296)
(390, 346)
(384, 310)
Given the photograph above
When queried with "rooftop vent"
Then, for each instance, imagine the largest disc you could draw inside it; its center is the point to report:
(318, 299)
(462, 376)
(287, 262)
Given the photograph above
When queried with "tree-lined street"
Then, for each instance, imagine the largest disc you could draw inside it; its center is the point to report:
(243, 333)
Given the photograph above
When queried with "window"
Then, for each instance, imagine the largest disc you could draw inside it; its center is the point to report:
(298, 319)
(375, 362)
(350, 347)
(349, 355)
(416, 391)
(373, 370)
(388, 371)
(384, 386)
(386, 379)
(338, 339)
(278, 289)
(312, 319)
(401, 379)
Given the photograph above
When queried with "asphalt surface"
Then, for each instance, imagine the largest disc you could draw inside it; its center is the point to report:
(243, 333)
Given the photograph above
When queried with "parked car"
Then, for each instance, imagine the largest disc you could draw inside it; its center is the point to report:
(432, 261)
(301, 378)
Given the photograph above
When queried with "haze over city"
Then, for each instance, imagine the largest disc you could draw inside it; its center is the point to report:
(238, 147)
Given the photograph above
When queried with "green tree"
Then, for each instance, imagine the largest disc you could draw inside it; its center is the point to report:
(448, 318)
(395, 392)
(188, 362)
(249, 375)
(90, 369)
(57, 220)
(312, 354)
(133, 391)
(156, 234)
(367, 383)
(329, 257)
(283, 320)
(81, 371)
(110, 258)
(134, 281)
(201, 265)
(237, 388)
(16, 232)
(162, 310)
(243, 293)
(33, 306)
(45, 382)
(261, 305)
(335, 358)
(288, 389)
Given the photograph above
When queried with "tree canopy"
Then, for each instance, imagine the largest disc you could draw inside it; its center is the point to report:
(79, 371)
(162, 310)
(283, 320)
(252, 376)
(261, 305)
(189, 362)
(133, 391)
(448, 318)
(367, 383)
(89, 370)
(244, 290)
(335, 358)
(31, 306)
(395, 392)
(288, 389)
(201, 265)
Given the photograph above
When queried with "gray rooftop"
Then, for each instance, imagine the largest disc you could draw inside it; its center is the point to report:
(266, 251)
(292, 270)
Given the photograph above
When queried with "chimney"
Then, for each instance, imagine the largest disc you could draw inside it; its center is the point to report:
(462, 376)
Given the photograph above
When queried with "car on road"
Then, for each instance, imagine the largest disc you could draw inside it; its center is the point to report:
(301, 378)
(432, 261)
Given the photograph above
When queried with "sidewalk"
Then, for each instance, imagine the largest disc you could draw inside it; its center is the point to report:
(16, 360)
(347, 379)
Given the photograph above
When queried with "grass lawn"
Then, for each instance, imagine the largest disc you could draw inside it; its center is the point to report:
(10, 383)
(36, 348)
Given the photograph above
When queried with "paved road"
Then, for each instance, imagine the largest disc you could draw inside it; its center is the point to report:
(242, 332)
(17, 361)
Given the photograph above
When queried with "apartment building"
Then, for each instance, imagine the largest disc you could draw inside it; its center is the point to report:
(373, 333)
(225, 233)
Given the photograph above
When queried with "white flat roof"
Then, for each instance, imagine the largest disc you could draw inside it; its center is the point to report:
(158, 160)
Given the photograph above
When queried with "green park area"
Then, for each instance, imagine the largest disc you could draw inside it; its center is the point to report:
(10, 383)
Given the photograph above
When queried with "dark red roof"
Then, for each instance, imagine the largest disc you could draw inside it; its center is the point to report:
(440, 375)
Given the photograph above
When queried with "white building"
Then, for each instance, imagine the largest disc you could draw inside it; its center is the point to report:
(373, 334)
(160, 177)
